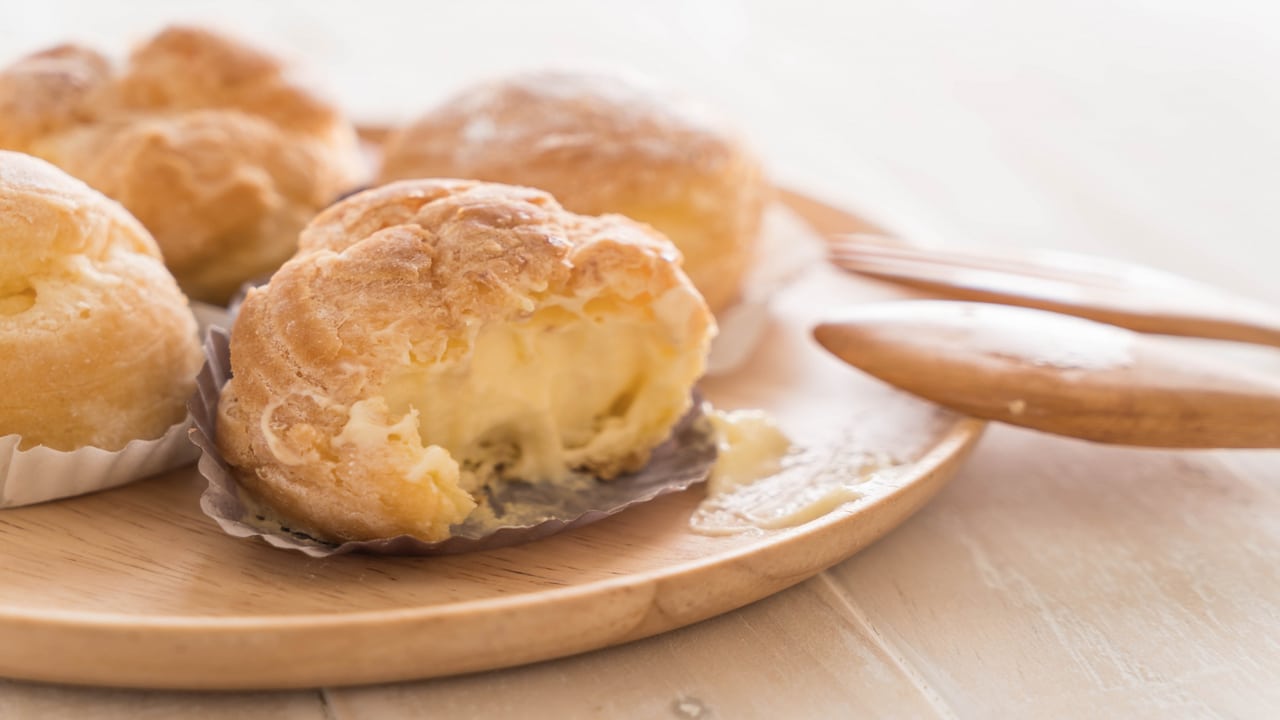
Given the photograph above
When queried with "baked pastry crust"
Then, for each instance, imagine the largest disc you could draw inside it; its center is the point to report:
(603, 144)
(97, 344)
(461, 288)
(206, 141)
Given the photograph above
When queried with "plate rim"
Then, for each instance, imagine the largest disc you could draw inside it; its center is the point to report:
(35, 628)
(210, 642)
(958, 439)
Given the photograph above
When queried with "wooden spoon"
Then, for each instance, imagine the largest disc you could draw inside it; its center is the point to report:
(1059, 374)
(1118, 293)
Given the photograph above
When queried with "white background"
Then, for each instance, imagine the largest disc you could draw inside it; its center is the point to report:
(1141, 128)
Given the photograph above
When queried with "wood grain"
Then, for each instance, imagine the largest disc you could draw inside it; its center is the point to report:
(166, 600)
(1085, 593)
(20, 700)
(715, 670)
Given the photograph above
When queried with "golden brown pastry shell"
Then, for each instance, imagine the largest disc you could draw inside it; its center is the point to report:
(208, 142)
(603, 144)
(97, 344)
(409, 272)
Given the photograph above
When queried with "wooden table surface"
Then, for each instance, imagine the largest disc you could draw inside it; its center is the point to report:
(1052, 578)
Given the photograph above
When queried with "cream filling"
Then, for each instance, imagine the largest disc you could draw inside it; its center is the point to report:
(763, 482)
(536, 399)
(749, 446)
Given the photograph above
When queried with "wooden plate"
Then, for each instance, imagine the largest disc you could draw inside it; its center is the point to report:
(134, 587)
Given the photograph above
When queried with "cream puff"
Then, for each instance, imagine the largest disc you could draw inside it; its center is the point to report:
(97, 345)
(434, 336)
(206, 141)
(603, 144)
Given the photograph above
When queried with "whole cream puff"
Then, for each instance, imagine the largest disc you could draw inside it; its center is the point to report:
(204, 140)
(97, 344)
(604, 144)
(433, 336)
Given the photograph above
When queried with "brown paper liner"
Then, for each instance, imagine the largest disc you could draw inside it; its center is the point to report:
(683, 460)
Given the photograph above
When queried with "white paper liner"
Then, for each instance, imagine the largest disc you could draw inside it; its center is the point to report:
(677, 464)
(208, 316)
(40, 474)
(788, 247)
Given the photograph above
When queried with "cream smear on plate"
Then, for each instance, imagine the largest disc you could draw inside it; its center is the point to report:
(763, 481)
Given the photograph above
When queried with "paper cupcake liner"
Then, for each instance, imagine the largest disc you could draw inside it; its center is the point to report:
(787, 249)
(683, 460)
(41, 474)
(208, 316)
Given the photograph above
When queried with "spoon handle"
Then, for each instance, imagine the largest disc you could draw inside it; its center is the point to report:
(1227, 323)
